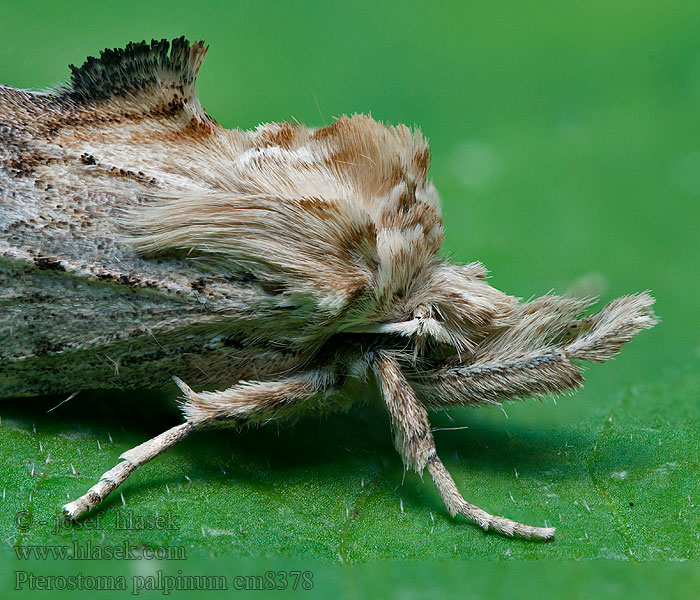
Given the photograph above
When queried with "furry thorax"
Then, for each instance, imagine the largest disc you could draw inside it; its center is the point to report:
(270, 265)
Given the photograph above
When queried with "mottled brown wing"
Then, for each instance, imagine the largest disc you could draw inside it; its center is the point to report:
(78, 306)
(272, 239)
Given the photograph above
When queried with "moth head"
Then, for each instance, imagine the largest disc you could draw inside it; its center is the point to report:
(423, 326)
(450, 309)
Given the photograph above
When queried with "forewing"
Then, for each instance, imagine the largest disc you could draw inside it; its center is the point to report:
(74, 164)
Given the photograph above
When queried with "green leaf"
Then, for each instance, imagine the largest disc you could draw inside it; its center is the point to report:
(616, 485)
(565, 145)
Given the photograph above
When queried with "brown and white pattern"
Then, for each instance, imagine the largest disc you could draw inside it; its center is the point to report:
(140, 240)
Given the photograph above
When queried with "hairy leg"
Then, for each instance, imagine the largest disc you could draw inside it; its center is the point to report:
(131, 460)
(490, 381)
(534, 356)
(245, 402)
(415, 443)
(252, 401)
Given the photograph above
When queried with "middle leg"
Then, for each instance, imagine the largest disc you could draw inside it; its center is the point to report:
(414, 441)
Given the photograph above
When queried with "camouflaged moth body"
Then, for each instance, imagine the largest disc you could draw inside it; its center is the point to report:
(140, 240)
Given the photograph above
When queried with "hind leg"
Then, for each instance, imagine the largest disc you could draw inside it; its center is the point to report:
(245, 402)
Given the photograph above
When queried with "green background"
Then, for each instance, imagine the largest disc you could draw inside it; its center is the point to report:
(566, 148)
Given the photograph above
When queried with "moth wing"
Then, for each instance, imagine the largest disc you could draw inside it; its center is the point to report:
(79, 307)
(76, 159)
(121, 176)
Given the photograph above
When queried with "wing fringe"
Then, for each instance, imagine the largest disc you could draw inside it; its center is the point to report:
(136, 67)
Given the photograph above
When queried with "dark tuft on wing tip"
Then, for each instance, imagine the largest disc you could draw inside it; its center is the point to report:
(138, 66)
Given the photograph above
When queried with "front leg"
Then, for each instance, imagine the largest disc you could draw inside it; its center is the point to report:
(414, 441)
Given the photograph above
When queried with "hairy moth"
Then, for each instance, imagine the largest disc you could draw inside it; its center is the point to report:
(270, 264)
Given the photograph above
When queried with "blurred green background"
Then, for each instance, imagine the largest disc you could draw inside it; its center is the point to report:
(566, 148)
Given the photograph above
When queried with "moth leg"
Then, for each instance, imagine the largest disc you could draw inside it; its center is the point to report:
(252, 401)
(538, 373)
(245, 402)
(131, 460)
(414, 441)
(521, 362)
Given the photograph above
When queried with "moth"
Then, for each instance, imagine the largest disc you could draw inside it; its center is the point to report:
(141, 241)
